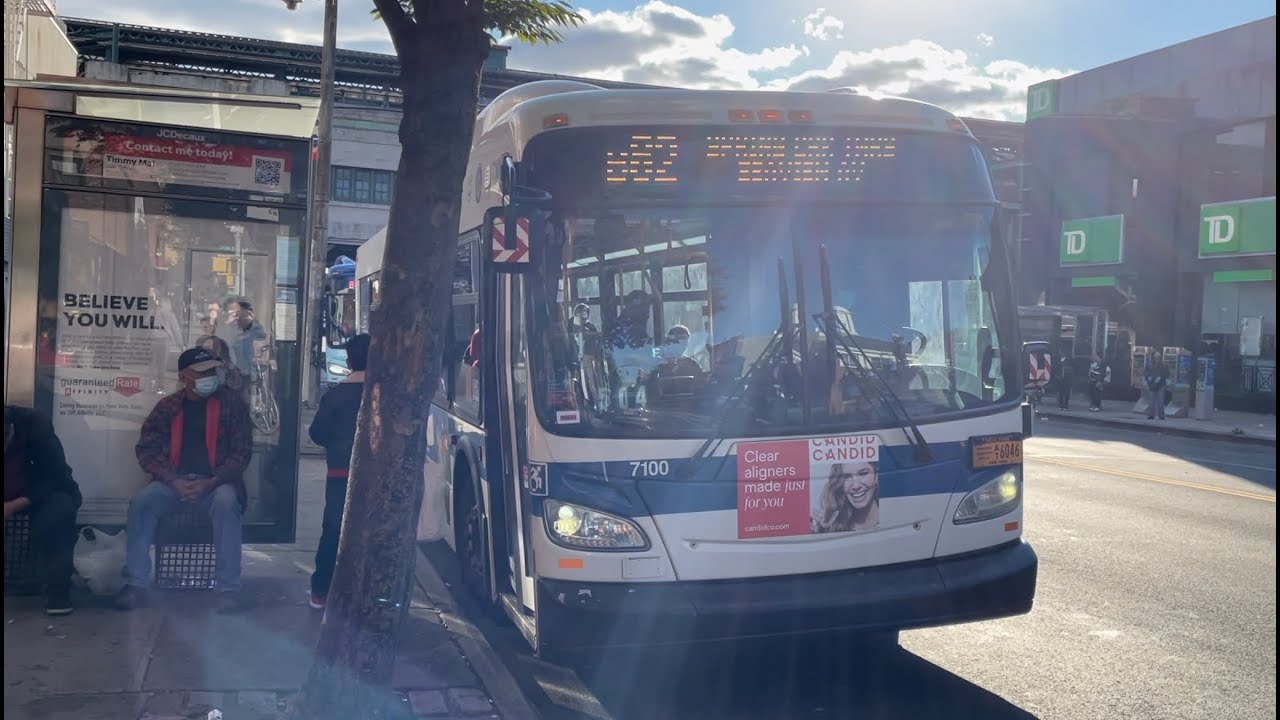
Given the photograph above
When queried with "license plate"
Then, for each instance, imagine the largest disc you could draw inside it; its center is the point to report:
(996, 451)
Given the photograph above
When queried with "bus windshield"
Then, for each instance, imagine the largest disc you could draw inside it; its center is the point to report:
(691, 322)
(342, 311)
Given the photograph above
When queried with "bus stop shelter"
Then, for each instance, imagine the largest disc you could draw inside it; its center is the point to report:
(145, 218)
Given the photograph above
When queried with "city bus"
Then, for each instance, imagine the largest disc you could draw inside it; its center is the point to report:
(729, 364)
(338, 323)
(368, 277)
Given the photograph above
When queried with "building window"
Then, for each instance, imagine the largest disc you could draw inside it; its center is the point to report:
(362, 185)
(341, 183)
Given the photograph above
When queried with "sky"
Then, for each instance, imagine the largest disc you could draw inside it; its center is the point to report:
(975, 58)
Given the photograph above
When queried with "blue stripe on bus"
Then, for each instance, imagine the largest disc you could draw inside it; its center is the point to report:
(712, 485)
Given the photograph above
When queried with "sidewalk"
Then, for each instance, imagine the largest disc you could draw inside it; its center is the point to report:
(178, 659)
(1225, 424)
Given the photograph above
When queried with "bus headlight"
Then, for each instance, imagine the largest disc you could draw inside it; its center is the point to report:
(583, 529)
(338, 370)
(996, 497)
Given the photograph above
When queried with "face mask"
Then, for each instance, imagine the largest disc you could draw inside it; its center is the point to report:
(206, 386)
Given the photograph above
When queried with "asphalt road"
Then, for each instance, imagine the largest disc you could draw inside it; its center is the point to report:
(1156, 599)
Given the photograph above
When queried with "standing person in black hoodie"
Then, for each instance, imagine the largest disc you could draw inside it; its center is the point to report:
(1066, 377)
(38, 479)
(334, 429)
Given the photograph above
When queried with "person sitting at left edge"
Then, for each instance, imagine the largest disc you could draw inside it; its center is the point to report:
(195, 445)
(37, 479)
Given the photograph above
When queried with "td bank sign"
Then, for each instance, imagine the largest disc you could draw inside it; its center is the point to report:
(1092, 241)
(1244, 227)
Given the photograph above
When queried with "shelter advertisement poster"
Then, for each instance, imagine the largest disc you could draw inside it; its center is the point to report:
(168, 159)
(110, 347)
(808, 486)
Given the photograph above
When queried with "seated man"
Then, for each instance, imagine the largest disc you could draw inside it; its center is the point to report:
(38, 479)
(195, 446)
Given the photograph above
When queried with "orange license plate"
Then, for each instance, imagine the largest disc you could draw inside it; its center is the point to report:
(996, 451)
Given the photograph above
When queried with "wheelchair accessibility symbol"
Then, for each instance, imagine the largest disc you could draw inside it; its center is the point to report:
(535, 478)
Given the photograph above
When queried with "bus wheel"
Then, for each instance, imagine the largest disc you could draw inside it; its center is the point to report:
(473, 545)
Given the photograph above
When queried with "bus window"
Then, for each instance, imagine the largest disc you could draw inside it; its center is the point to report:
(465, 347)
(687, 310)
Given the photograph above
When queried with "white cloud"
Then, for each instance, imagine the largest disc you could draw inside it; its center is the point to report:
(823, 26)
(985, 39)
(656, 43)
(924, 70)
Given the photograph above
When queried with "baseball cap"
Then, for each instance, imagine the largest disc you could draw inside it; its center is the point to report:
(197, 359)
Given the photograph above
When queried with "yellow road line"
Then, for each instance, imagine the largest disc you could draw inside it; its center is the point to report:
(1153, 478)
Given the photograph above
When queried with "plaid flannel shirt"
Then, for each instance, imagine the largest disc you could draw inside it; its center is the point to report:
(234, 441)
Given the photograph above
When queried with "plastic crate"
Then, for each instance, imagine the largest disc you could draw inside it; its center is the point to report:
(21, 564)
(185, 556)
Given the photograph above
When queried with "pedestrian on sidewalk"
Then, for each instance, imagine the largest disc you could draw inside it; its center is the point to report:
(1097, 379)
(334, 429)
(38, 480)
(1157, 379)
(1066, 378)
(195, 445)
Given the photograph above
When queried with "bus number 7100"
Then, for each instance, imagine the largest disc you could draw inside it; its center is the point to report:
(650, 468)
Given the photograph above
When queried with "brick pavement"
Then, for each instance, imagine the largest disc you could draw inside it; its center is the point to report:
(179, 658)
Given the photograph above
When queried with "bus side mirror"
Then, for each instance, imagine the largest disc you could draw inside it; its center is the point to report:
(509, 234)
(987, 358)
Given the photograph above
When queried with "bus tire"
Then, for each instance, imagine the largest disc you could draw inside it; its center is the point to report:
(472, 542)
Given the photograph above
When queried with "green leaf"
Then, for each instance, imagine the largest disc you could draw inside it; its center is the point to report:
(531, 21)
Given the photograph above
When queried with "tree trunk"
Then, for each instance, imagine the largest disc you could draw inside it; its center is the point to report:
(369, 598)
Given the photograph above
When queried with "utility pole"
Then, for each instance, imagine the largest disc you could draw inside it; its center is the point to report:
(320, 204)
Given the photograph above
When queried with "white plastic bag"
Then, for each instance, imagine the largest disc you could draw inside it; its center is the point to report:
(99, 560)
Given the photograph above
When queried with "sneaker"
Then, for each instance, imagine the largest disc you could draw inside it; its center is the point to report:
(317, 601)
(58, 602)
(229, 602)
(130, 598)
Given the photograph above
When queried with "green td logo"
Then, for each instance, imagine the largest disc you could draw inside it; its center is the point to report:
(1243, 227)
(1042, 99)
(1092, 241)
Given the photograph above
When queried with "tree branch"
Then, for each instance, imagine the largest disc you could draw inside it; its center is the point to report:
(398, 23)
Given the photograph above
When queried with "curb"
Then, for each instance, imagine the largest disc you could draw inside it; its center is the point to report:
(508, 699)
(1158, 429)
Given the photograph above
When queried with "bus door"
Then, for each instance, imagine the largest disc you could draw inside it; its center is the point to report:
(511, 477)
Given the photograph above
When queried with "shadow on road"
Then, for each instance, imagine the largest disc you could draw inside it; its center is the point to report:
(815, 677)
(1254, 464)
(775, 679)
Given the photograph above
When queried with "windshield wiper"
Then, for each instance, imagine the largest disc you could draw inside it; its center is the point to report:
(782, 338)
(853, 348)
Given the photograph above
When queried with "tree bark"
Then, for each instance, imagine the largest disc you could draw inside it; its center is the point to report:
(441, 59)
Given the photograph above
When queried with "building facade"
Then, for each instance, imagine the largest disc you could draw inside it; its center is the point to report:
(1150, 192)
(35, 43)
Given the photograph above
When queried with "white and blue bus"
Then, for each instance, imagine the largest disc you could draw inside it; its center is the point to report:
(730, 364)
(338, 324)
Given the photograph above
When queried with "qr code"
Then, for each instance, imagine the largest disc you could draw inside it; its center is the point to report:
(267, 171)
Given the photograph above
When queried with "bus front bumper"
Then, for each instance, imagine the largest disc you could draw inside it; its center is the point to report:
(994, 583)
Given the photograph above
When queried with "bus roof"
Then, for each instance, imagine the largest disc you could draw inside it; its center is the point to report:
(344, 267)
(537, 107)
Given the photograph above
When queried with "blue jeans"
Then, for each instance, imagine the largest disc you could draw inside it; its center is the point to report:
(1155, 406)
(157, 500)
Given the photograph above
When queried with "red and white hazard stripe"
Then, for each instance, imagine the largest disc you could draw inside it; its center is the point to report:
(1040, 373)
(517, 254)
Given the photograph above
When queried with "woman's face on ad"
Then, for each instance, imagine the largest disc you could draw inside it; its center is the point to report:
(859, 485)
